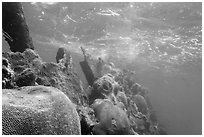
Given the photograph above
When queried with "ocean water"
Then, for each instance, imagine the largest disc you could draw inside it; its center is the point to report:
(160, 42)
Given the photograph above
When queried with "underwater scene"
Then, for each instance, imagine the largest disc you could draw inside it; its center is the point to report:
(102, 68)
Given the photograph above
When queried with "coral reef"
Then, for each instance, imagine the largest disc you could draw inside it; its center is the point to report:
(34, 110)
(112, 105)
(29, 69)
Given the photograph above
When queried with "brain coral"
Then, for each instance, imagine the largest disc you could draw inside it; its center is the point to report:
(38, 110)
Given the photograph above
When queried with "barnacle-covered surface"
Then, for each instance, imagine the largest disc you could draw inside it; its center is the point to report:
(38, 110)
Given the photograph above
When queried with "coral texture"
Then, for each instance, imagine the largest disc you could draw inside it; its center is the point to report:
(34, 110)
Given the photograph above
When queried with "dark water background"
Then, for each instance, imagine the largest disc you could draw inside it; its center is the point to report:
(160, 42)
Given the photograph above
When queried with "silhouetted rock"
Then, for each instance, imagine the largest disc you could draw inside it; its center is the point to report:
(61, 53)
(38, 110)
(112, 119)
(15, 29)
(65, 60)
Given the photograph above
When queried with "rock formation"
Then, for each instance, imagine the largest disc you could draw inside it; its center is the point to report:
(7, 74)
(87, 119)
(107, 109)
(121, 97)
(141, 103)
(112, 119)
(60, 54)
(25, 78)
(102, 88)
(15, 29)
(29, 69)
